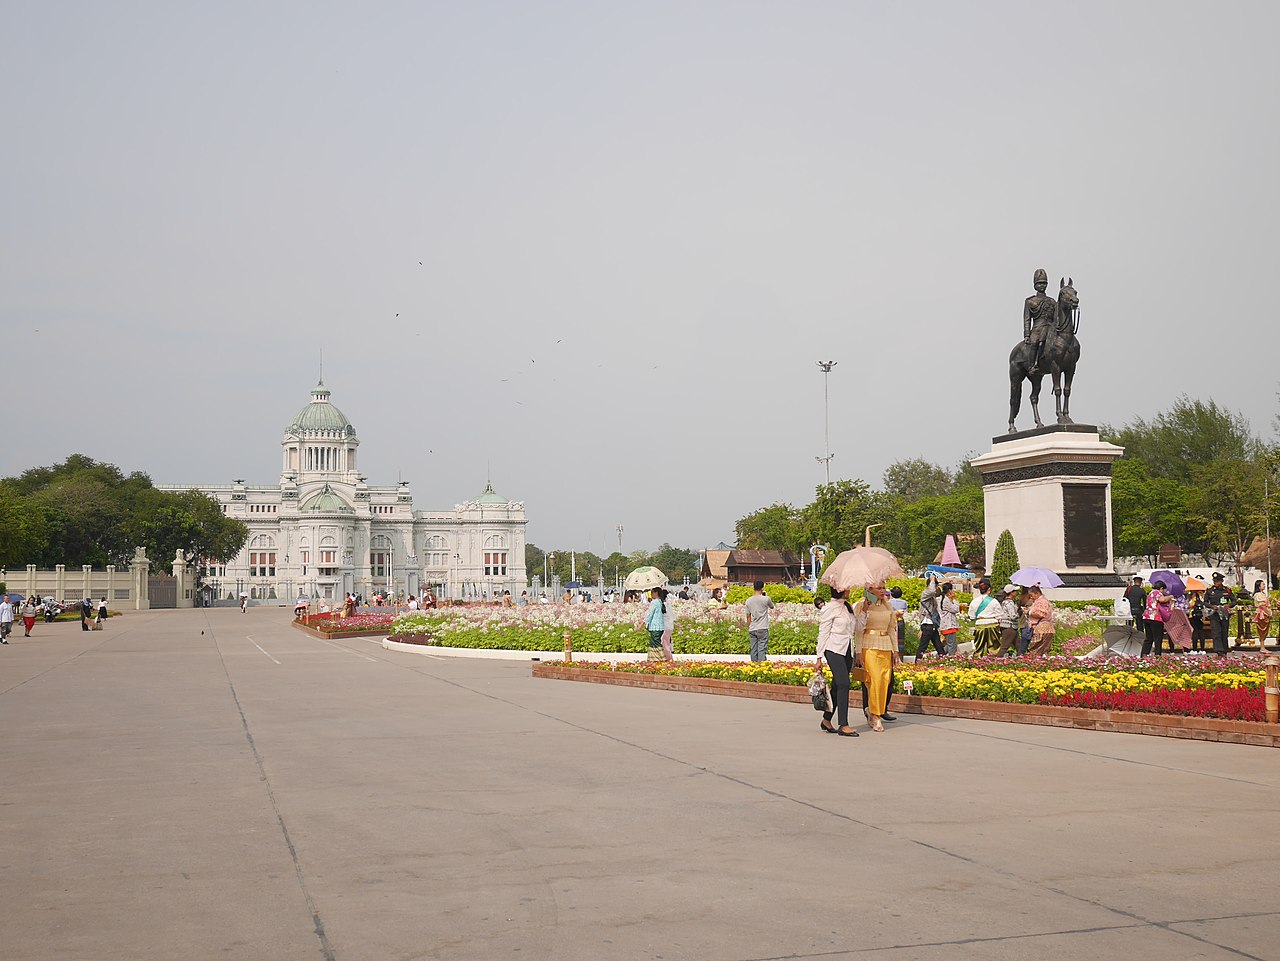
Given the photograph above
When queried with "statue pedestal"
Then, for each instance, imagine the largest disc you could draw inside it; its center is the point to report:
(1051, 488)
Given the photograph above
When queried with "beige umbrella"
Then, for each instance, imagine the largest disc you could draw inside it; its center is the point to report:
(861, 567)
(644, 578)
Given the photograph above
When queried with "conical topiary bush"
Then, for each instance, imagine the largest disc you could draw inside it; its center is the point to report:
(1004, 561)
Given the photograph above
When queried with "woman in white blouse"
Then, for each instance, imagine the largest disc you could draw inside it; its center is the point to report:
(835, 644)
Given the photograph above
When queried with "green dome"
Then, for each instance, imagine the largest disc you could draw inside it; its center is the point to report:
(320, 415)
(325, 502)
(490, 496)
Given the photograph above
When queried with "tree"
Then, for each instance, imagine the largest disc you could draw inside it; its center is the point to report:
(616, 566)
(676, 562)
(85, 512)
(1188, 434)
(919, 530)
(24, 529)
(533, 560)
(840, 514)
(914, 478)
(1004, 560)
(1227, 500)
(1148, 512)
(773, 528)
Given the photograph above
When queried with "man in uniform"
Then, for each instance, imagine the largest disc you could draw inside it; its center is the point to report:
(1037, 318)
(1218, 601)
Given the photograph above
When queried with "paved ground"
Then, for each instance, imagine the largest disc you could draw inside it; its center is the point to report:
(251, 792)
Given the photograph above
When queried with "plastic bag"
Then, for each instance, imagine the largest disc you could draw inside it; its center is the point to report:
(819, 692)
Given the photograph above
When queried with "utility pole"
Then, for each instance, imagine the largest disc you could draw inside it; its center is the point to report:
(825, 459)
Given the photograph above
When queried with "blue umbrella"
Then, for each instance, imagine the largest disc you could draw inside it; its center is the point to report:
(1036, 577)
(1172, 582)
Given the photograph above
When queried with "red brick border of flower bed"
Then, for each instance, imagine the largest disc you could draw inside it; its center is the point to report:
(1081, 719)
(330, 635)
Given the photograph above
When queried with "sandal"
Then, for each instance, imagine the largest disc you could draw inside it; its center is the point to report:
(847, 732)
(877, 726)
(827, 726)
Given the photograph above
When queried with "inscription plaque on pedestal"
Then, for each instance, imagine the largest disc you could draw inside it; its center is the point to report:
(1084, 525)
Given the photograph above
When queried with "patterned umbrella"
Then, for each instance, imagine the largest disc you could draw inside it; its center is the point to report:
(644, 578)
(861, 567)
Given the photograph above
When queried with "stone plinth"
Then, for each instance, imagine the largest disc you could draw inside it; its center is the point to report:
(1051, 488)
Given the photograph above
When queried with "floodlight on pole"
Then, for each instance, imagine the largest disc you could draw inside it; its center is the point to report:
(825, 459)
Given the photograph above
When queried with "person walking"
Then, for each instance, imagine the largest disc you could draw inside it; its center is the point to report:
(1261, 613)
(948, 616)
(835, 647)
(900, 613)
(985, 611)
(1218, 600)
(1040, 617)
(758, 606)
(1153, 617)
(28, 615)
(102, 613)
(668, 625)
(1008, 620)
(6, 618)
(86, 613)
(1137, 598)
(655, 622)
(875, 650)
(929, 619)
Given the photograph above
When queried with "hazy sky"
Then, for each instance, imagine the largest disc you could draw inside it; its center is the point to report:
(619, 235)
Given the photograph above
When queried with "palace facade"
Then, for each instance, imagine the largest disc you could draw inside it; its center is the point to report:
(323, 531)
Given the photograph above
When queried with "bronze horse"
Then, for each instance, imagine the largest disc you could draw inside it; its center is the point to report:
(1058, 358)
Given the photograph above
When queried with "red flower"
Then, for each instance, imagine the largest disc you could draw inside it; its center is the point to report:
(1241, 704)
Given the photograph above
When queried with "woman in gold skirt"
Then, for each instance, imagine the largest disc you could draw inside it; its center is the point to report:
(875, 641)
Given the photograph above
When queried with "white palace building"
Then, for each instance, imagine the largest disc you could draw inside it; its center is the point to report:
(323, 531)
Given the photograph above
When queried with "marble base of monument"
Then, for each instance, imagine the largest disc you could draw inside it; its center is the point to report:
(1051, 488)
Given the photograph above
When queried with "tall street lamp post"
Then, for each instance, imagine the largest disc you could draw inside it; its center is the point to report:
(825, 459)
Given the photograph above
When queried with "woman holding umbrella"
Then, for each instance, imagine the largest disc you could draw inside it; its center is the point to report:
(876, 649)
(1159, 603)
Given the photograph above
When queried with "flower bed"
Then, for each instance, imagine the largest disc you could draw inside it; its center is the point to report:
(616, 628)
(1234, 703)
(1028, 680)
(357, 624)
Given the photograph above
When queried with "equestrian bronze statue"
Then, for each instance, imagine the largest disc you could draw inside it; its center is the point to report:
(1048, 346)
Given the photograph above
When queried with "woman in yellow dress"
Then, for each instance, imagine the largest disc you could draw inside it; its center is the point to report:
(875, 640)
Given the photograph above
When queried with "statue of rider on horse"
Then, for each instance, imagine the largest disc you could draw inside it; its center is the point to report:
(1048, 346)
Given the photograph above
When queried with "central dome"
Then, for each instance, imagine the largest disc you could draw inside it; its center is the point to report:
(320, 416)
(325, 502)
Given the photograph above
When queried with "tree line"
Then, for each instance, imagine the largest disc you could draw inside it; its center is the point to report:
(85, 512)
(676, 562)
(1193, 475)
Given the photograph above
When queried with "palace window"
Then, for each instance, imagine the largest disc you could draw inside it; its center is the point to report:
(262, 563)
(305, 557)
(328, 558)
(378, 563)
(495, 563)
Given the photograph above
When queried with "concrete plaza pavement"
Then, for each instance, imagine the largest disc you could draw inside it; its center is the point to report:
(210, 784)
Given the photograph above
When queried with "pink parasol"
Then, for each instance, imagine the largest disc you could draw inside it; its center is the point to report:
(861, 567)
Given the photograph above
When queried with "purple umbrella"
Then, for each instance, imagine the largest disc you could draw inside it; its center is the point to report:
(1036, 577)
(1172, 582)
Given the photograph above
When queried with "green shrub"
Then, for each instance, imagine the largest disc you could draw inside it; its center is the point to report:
(778, 593)
(1004, 562)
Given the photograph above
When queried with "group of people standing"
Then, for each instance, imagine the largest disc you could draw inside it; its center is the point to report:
(1189, 621)
(1011, 620)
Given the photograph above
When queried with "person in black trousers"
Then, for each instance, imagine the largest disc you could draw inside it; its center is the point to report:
(1152, 625)
(1137, 599)
(928, 621)
(1218, 600)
